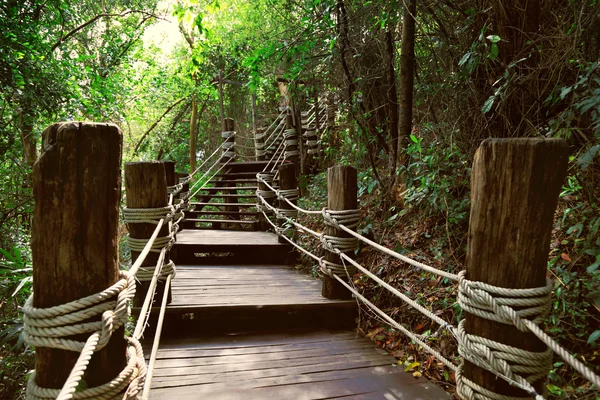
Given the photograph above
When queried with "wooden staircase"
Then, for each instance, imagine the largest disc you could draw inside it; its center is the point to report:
(230, 200)
(244, 324)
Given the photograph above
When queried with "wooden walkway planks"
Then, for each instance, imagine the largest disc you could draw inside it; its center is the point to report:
(295, 366)
(226, 238)
(257, 286)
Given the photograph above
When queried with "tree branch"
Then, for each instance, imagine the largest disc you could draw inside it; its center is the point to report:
(94, 19)
(156, 123)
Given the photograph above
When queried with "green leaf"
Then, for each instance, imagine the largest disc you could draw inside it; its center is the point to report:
(494, 51)
(414, 138)
(586, 159)
(464, 59)
(487, 106)
(594, 266)
(493, 38)
(412, 366)
(594, 336)
(565, 91)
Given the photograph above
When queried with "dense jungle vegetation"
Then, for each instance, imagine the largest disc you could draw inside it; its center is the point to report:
(412, 86)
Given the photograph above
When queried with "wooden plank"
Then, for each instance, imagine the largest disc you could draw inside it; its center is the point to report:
(238, 238)
(206, 204)
(283, 380)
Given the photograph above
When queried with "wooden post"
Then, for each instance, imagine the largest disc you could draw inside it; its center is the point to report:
(514, 189)
(264, 225)
(287, 180)
(289, 125)
(221, 102)
(74, 239)
(254, 128)
(259, 145)
(146, 187)
(170, 173)
(298, 126)
(229, 126)
(186, 187)
(342, 188)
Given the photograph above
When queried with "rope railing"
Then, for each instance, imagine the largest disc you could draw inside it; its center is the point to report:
(53, 327)
(523, 308)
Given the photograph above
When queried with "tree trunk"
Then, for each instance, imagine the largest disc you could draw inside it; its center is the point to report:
(193, 124)
(27, 138)
(407, 68)
(392, 104)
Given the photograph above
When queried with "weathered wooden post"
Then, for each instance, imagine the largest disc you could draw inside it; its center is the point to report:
(268, 195)
(342, 188)
(74, 239)
(146, 187)
(228, 136)
(287, 182)
(182, 177)
(300, 140)
(259, 144)
(291, 142)
(514, 189)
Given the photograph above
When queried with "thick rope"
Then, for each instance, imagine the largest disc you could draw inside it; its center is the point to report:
(497, 304)
(50, 327)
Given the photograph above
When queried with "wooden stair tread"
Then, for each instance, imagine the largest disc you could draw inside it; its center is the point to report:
(291, 365)
(217, 195)
(224, 204)
(191, 214)
(229, 188)
(228, 221)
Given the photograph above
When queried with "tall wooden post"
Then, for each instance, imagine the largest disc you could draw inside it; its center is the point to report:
(146, 187)
(259, 144)
(254, 128)
(74, 239)
(186, 187)
(342, 188)
(229, 149)
(291, 150)
(514, 188)
(263, 224)
(229, 126)
(221, 101)
(298, 127)
(287, 180)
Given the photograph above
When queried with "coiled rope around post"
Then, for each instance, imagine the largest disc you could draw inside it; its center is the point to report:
(52, 328)
(498, 304)
(153, 216)
(339, 244)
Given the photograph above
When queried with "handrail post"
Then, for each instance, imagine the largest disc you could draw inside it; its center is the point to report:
(291, 149)
(515, 185)
(77, 189)
(287, 181)
(268, 195)
(146, 187)
(228, 155)
(228, 136)
(259, 144)
(342, 189)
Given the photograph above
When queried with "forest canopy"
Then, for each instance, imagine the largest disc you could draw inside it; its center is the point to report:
(413, 88)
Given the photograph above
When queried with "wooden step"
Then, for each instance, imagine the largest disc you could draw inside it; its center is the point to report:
(238, 174)
(203, 204)
(289, 365)
(214, 189)
(195, 246)
(241, 295)
(228, 221)
(234, 181)
(227, 195)
(193, 214)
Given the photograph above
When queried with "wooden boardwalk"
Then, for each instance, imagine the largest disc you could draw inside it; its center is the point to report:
(243, 323)
(294, 366)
